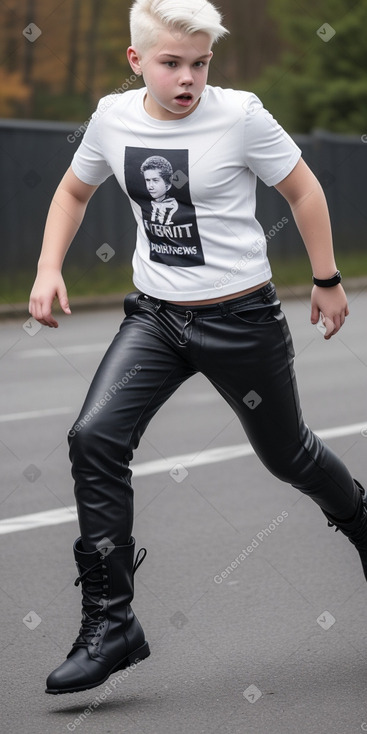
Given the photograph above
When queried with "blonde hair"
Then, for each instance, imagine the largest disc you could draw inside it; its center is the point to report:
(149, 17)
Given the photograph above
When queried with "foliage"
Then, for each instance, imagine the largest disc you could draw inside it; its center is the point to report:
(319, 83)
(78, 56)
(13, 93)
(273, 49)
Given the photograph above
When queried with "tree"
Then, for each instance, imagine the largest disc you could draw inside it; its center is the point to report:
(91, 46)
(321, 80)
(29, 48)
(74, 49)
(251, 45)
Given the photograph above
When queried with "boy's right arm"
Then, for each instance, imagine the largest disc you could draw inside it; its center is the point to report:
(65, 216)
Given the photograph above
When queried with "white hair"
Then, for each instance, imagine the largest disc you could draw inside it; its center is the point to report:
(148, 17)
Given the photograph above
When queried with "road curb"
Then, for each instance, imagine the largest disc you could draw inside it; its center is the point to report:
(115, 300)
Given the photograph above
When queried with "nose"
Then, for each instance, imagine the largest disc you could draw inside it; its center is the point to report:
(186, 76)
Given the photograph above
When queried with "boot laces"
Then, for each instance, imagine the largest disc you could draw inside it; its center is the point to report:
(358, 536)
(93, 602)
(139, 559)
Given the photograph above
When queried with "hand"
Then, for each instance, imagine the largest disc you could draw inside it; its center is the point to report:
(48, 285)
(332, 305)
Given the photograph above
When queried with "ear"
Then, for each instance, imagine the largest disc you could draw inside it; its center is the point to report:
(134, 60)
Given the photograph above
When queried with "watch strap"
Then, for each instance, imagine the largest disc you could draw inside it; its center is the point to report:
(335, 280)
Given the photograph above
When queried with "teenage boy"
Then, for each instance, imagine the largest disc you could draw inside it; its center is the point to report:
(180, 322)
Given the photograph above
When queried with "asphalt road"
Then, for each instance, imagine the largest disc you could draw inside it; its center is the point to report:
(279, 643)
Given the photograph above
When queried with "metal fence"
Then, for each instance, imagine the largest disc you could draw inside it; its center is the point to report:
(35, 155)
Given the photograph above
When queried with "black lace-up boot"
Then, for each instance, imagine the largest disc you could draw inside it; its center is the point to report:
(110, 637)
(356, 527)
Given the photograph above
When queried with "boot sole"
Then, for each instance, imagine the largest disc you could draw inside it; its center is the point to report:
(134, 657)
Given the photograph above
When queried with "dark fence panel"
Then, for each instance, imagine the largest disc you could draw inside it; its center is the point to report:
(35, 155)
(340, 164)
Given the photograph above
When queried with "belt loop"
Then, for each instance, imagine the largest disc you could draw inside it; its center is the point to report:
(153, 302)
(268, 293)
(224, 308)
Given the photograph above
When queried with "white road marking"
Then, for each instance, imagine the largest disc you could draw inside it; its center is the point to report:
(39, 352)
(211, 456)
(8, 417)
(38, 520)
(47, 412)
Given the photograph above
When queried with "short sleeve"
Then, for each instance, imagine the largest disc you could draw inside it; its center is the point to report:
(269, 151)
(88, 163)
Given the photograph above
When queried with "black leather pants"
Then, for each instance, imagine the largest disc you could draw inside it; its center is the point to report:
(244, 348)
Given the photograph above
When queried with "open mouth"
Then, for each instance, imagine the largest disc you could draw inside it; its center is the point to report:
(184, 97)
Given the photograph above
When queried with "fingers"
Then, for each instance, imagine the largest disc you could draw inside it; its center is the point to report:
(332, 306)
(63, 300)
(315, 315)
(41, 311)
(42, 297)
(334, 325)
(65, 306)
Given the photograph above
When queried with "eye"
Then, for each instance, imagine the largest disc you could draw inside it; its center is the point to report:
(200, 64)
(170, 64)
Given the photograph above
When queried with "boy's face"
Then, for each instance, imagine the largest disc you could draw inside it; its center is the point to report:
(156, 185)
(175, 72)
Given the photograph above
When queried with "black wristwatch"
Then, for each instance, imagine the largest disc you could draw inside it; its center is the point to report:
(335, 280)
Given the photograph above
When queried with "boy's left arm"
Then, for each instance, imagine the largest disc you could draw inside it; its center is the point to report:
(307, 200)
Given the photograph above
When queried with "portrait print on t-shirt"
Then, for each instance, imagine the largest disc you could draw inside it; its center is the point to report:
(158, 181)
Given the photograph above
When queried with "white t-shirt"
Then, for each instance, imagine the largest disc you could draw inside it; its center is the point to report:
(192, 185)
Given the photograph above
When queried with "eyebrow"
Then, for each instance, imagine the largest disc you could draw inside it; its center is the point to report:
(172, 56)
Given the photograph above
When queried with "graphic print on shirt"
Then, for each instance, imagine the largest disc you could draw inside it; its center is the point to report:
(158, 181)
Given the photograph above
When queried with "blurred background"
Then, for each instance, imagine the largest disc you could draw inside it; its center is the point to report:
(306, 60)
